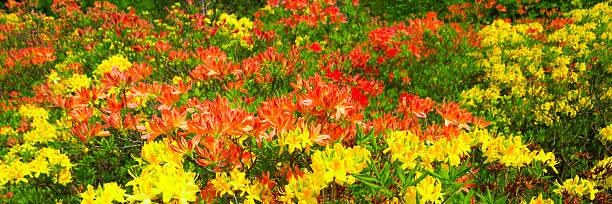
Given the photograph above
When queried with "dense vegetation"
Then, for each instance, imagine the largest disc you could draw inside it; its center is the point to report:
(305, 101)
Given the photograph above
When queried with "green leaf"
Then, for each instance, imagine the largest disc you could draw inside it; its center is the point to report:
(367, 178)
(371, 185)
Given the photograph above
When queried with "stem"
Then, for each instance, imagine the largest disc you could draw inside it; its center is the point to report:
(333, 198)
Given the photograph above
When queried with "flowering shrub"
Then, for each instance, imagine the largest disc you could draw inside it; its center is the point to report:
(546, 77)
(305, 101)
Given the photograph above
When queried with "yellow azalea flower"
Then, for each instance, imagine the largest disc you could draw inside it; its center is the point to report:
(430, 190)
(42, 131)
(167, 182)
(540, 200)
(577, 186)
(30, 111)
(159, 152)
(47, 161)
(337, 163)
(64, 177)
(238, 180)
(221, 184)
(404, 146)
(176, 79)
(605, 134)
(410, 195)
(600, 170)
(108, 193)
(296, 139)
(116, 61)
(304, 189)
(77, 81)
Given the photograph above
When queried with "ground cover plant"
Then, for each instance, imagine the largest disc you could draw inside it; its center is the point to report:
(305, 101)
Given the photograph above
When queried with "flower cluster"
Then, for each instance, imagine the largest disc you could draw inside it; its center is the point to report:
(306, 101)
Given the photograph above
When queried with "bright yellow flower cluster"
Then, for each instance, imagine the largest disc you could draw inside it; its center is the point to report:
(238, 29)
(337, 163)
(42, 131)
(8, 131)
(10, 19)
(118, 61)
(243, 25)
(580, 35)
(296, 139)
(410, 150)
(521, 66)
(605, 134)
(72, 84)
(577, 186)
(430, 190)
(237, 181)
(304, 189)
(158, 153)
(31, 111)
(47, 161)
(476, 96)
(107, 194)
(163, 178)
(601, 170)
(511, 151)
(500, 31)
(406, 147)
(166, 182)
(302, 41)
(540, 200)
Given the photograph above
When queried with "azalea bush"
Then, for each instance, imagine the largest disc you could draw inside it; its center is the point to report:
(303, 101)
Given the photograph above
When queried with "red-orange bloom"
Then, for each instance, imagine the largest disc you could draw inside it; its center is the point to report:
(413, 105)
(81, 113)
(217, 117)
(167, 97)
(454, 115)
(85, 130)
(170, 120)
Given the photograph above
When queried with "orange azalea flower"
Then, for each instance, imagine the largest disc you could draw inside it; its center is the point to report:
(130, 122)
(167, 97)
(454, 115)
(115, 106)
(273, 114)
(67, 103)
(185, 146)
(176, 55)
(162, 47)
(81, 113)
(86, 95)
(85, 130)
(181, 87)
(170, 120)
(413, 105)
(117, 78)
(217, 117)
(215, 64)
(285, 64)
(221, 154)
(250, 66)
(140, 71)
(480, 123)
